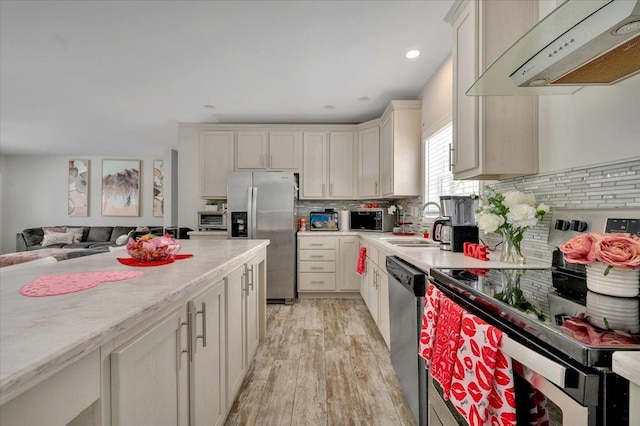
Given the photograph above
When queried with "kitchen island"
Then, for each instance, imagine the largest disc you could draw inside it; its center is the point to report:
(49, 344)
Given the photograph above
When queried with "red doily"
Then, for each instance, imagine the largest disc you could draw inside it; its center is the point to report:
(52, 285)
(130, 261)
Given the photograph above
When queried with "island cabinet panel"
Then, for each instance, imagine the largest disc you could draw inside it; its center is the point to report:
(59, 399)
(207, 375)
(234, 304)
(150, 376)
(374, 289)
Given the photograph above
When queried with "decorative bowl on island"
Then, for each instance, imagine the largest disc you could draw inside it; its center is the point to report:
(152, 248)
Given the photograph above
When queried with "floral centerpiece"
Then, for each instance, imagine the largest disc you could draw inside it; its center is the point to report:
(617, 249)
(510, 215)
(151, 248)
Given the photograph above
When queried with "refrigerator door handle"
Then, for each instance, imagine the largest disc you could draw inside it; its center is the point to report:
(254, 213)
(249, 212)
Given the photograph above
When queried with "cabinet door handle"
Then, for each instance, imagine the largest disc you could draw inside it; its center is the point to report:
(451, 149)
(376, 188)
(191, 332)
(179, 349)
(330, 189)
(203, 336)
(317, 268)
(316, 256)
(317, 244)
(249, 273)
(270, 161)
(317, 282)
(323, 189)
(262, 161)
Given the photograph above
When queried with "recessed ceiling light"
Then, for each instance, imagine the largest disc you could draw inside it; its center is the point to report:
(364, 98)
(412, 54)
(329, 107)
(209, 106)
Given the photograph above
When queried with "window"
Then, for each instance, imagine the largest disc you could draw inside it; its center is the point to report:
(438, 179)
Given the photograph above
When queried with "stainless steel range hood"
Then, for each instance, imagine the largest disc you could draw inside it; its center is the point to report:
(582, 42)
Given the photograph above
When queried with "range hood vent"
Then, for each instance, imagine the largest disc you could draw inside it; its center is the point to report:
(582, 42)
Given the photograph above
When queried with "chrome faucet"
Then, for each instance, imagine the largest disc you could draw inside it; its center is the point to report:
(431, 203)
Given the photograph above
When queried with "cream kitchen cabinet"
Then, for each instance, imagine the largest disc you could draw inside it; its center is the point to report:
(374, 289)
(494, 137)
(217, 153)
(369, 162)
(242, 327)
(267, 150)
(327, 264)
(328, 165)
(400, 150)
(190, 342)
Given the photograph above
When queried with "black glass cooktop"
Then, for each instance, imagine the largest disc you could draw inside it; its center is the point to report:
(551, 306)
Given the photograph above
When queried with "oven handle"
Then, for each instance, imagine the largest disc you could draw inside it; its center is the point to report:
(552, 371)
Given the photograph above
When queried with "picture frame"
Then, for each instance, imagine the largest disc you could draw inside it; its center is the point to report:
(158, 188)
(121, 187)
(78, 188)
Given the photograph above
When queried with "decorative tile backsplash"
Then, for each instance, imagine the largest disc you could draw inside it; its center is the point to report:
(610, 185)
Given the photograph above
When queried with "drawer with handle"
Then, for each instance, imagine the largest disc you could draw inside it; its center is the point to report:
(309, 266)
(317, 243)
(317, 282)
(317, 255)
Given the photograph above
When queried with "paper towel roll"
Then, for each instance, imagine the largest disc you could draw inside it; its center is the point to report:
(343, 220)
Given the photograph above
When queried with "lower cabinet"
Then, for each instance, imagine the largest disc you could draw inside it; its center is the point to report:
(374, 289)
(327, 264)
(188, 368)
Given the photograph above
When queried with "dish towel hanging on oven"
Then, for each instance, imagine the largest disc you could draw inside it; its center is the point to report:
(446, 343)
(361, 259)
(479, 378)
(429, 323)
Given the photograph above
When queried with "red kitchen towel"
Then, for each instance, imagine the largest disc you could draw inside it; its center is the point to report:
(474, 369)
(361, 259)
(502, 400)
(429, 322)
(446, 344)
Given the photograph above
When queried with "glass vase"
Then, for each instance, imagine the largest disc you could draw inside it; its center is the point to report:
(511, 251)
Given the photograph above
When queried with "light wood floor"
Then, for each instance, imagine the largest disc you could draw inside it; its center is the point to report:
(323, 362)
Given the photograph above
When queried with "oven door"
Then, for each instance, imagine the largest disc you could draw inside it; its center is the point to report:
(570, 394)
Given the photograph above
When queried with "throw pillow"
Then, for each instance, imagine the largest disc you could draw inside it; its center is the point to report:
(122, 239)
(57, 238)
(77, 234)
(52, 229)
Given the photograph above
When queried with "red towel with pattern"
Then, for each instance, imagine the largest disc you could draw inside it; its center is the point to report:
(361, 259)
(429, 322)
(446, 344)
(474, 371)
(502, 400)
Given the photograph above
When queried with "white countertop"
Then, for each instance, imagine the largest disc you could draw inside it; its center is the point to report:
(205, 233)
(41, 335)
(627, 364)
(426, 258)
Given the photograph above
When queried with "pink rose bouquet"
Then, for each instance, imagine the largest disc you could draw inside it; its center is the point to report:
(621, 250)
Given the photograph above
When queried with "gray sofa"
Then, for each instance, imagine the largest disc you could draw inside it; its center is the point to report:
(94, 238)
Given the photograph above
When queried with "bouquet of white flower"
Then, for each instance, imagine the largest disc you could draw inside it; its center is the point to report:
(510, 215)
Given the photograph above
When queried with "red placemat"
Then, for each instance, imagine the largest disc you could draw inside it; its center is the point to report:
(130, 261)
(52, 285)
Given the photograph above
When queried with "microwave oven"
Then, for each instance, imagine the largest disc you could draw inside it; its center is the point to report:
(208, 220)
(375, 220)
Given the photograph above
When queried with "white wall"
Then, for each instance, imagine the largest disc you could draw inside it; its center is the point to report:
(34, 194)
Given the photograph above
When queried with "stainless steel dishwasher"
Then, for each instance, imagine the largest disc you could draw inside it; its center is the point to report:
(406, 297)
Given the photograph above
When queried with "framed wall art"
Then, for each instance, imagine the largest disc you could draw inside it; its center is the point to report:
(78, 192)
(121, 187)
(158, 188)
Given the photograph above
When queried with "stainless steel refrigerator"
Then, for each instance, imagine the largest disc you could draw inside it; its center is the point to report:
(262, 205)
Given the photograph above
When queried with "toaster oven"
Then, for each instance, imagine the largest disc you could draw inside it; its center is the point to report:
(208, 220)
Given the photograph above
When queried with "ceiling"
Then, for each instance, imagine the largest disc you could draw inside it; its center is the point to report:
(113, 78)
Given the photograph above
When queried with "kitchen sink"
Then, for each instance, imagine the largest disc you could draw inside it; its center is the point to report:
(409, 242)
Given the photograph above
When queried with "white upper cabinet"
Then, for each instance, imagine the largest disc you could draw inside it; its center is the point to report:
(341, 165)
(217, 153)
(369, 162)
(284, 150)
(252, 150)
(494, 137)
(314, 165)
(400, 150)
(264, 150)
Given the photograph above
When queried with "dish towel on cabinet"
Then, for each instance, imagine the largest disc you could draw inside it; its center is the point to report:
(361, 259)
(446, 343)
(429, 323)
(476, 380)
